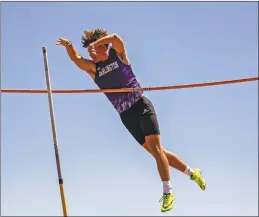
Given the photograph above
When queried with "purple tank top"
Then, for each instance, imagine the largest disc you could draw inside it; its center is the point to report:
(114, 74)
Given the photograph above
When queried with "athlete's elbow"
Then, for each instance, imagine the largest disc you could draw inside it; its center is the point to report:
(76, 61)
(116, 37)
(74, 58)
(118, 43)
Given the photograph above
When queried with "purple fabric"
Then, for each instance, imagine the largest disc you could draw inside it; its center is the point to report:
(114, 74)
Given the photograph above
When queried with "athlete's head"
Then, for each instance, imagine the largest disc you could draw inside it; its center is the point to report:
(92, 36)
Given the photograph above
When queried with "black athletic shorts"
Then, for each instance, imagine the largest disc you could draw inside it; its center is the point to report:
(141, 120)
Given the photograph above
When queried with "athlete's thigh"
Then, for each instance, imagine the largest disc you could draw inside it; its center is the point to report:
(148, 121)
(132, 123)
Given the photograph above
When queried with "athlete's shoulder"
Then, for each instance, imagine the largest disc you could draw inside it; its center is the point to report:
(122, 57)
(111, 50)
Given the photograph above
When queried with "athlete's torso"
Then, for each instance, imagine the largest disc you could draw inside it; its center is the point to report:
(114, 74)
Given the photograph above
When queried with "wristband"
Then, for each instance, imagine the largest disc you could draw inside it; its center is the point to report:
(68, 44)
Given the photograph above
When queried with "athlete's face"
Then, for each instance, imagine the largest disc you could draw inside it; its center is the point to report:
(101, 50)
(99, 53)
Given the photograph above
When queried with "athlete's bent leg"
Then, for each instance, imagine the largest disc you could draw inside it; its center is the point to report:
(173, 160)
(153, 143)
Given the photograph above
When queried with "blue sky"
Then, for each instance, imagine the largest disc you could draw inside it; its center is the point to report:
(105, 171)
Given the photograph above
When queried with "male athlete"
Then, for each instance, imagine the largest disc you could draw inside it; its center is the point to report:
(111, 68)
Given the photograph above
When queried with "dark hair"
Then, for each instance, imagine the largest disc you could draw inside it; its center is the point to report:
(92, 36)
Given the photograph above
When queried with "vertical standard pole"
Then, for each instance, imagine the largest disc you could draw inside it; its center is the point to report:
(61, 186)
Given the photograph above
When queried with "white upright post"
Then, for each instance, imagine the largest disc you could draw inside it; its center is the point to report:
(55, 141)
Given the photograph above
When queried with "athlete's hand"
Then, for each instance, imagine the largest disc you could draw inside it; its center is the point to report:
(91, 48)
(92, 51)
(63, 42)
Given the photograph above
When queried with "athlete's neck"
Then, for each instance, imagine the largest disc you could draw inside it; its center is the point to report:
(101, 58)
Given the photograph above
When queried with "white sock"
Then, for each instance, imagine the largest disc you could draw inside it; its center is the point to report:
(167, 187)
(188, 171)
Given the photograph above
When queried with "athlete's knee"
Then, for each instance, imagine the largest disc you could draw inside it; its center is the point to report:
(165, 152)
(153, 145)
(157, 149)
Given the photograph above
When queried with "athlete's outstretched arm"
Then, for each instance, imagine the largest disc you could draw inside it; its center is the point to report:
(84, 64)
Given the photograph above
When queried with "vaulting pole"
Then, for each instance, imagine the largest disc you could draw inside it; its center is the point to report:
(61, 185)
